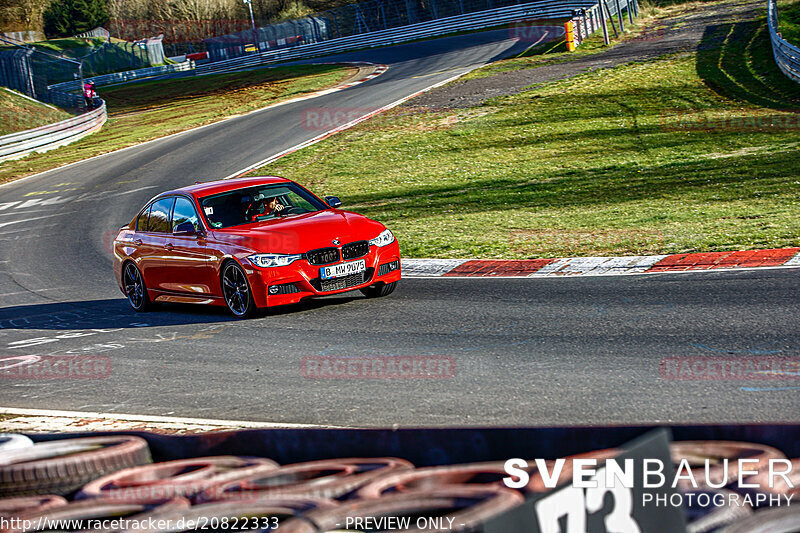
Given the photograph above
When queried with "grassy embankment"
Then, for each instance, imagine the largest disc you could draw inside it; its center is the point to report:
(689, 152)
(18, 113)
(789, 20)
(151, 109)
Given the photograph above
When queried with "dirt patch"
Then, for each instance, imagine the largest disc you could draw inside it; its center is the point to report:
(680, 33)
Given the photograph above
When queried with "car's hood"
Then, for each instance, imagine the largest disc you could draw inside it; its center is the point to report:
(300, 233)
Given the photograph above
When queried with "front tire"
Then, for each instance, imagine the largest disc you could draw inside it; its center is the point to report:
(135, 289)
(236, 290)
(376, 291)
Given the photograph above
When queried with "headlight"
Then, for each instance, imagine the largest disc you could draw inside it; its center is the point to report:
(273, 260)
(383, 239)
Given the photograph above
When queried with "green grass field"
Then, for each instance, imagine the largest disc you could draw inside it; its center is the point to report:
(148, 110)
(18, 113)
(789, 20)
(686, 153)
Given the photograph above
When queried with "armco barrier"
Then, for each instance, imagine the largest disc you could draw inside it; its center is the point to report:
(472, 21)
(51, 136)
(787, 56)
(542, 9)
(128, 75)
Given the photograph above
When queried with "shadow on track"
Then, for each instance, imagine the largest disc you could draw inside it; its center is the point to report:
(117, 314)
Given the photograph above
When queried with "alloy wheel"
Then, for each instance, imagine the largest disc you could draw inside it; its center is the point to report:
(236, 291)
(134, 287)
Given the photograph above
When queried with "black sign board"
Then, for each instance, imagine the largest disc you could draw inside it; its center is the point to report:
(634, 509)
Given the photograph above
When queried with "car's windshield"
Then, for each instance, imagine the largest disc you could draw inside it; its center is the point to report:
(256, 204)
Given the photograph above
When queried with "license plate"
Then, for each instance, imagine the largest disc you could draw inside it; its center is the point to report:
(342, 269)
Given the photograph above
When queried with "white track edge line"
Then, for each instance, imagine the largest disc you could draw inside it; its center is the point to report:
(156, 419)
(315, 94)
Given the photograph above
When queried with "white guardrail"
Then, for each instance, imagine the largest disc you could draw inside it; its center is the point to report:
(16, 145)
(472, 21)
(787, 56)
(51, 136)
(122, 77)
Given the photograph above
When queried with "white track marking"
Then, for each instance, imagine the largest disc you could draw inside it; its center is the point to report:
(598, 266)
(794, 261)
(429, 267)
(3, 224)
(152, 419)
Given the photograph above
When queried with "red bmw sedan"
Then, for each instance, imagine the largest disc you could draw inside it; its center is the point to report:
(251, 243)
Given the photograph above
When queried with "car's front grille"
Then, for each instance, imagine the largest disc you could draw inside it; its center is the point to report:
(322, 256)
(345, 282)
(388, 267)
(355, 249)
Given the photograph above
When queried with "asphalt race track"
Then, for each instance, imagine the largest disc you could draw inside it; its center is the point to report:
(520, 352)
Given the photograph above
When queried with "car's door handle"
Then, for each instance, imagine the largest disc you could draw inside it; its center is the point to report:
(138, 242)
(169, 246)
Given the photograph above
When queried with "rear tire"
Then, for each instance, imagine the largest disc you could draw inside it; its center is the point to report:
(236, 291)
(376, 291)
(135, 289)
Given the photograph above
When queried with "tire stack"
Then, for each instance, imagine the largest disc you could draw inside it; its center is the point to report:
(113, 477)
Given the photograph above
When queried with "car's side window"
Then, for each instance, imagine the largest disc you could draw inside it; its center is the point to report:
(141, 221)
(184, 212)
(160, 215)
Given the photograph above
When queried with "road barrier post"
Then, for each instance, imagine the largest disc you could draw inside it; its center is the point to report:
(570, 34)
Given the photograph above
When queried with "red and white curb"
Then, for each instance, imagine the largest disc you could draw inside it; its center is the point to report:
(379, 69)
(600, 266)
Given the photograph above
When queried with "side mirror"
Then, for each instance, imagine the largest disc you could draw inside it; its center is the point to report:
(333, 201)
(185, 228)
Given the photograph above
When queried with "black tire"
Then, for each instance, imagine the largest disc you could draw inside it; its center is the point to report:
(63, 466)
(378, 290)
(135, 288)
(236, 291)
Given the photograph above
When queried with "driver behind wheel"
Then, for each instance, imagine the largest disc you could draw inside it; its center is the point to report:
(269, 206)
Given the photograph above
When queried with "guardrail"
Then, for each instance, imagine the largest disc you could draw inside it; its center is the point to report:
(128, 75)
(472, 21)
(16, 145)
(787, 56)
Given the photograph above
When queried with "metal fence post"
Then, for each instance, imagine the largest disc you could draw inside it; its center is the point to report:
(603, 11)
(628, 9)
(619, 12)
(611, 19)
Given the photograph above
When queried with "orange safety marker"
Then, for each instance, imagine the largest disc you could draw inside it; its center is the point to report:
(568, 28)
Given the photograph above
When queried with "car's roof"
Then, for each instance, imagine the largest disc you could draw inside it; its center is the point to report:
(215, 187)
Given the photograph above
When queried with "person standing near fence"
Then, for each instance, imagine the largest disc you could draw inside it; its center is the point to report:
(89, 94)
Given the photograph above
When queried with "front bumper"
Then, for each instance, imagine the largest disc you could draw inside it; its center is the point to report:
(300, 280)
